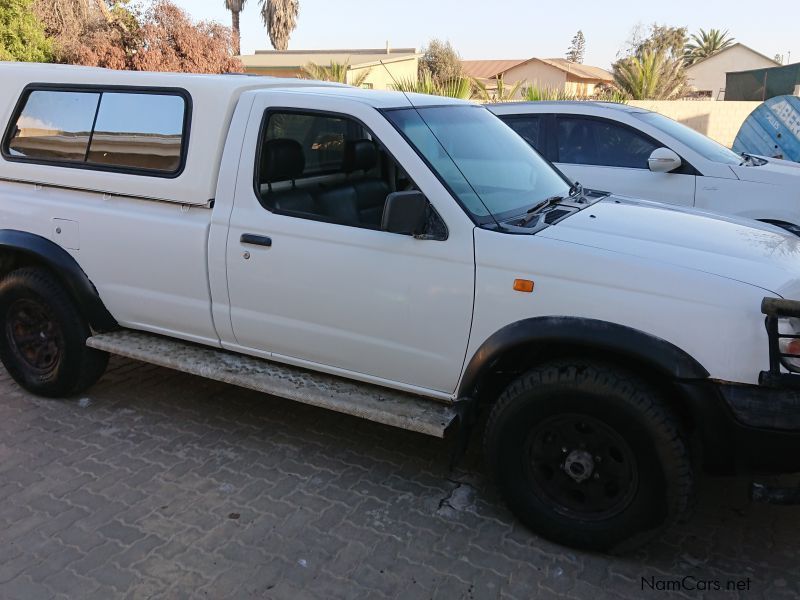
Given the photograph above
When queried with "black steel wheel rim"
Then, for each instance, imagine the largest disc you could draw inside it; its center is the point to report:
(581, 466)
(34, 335)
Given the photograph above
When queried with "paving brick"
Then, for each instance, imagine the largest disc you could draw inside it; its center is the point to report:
(170, 486)
(48, 504)
(52, 525)
(79, 538)
(12, 550)
(23, 588)
(69, 584)
(22, 476)
(52, 559)
(15, 566)
(122, 580)
(227, 584)
(121, 533)
(140, 549)
(97, 556)
(377, 580)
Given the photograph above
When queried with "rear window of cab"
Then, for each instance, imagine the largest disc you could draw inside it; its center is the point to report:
(137, 131)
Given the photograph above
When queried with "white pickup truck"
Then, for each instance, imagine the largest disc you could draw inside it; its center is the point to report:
(406, 259)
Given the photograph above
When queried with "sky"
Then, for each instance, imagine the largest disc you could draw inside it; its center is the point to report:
(512, 29)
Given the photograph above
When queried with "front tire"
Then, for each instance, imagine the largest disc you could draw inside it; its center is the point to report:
(43, 336)
(586, 455)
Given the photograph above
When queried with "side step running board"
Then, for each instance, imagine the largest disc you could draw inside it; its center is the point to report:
(363, 400)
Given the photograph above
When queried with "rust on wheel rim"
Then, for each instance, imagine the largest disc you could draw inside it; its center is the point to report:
(34, 335)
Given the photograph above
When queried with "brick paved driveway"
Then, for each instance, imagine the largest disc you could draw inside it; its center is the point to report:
(158, 484)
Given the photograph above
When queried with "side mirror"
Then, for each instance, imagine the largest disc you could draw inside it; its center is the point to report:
(663, 160)
(405, 212)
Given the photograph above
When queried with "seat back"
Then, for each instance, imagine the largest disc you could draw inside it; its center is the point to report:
(283, 160)
(362, 156)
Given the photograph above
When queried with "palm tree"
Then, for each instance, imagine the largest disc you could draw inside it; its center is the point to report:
(503, 93)
(650, 76)
(335, 72)
(706, 43)
(539, 93)
(279, 16)
(280, 19)
(236, 7)
(460, 87)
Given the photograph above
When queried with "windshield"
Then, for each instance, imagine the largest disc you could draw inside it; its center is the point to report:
(492, 171)
(704, 146)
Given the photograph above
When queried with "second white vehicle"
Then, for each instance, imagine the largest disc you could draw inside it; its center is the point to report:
(636, 152)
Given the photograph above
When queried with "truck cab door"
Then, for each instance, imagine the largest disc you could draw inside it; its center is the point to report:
(313, 280)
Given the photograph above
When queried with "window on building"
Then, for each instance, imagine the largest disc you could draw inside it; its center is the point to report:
(140, 131)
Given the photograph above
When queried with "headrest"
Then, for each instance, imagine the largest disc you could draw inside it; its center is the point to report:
(360, 155)
(281, 160)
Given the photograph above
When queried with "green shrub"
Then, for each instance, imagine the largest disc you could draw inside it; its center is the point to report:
(22, 35)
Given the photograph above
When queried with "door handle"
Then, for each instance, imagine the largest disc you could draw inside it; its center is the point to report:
(256, 240)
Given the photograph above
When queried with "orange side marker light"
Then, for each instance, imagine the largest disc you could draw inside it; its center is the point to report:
(523, 285)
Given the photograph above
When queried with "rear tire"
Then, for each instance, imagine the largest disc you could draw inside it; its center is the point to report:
(43, 336)
(587, 455)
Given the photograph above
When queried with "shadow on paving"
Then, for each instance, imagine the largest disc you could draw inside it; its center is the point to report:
(157, 484)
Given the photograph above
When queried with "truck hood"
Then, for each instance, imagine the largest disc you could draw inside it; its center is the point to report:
(775, 172)
(737, 249)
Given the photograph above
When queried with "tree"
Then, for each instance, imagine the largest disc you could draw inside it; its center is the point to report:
(64, 19)
(441, 61)
(546, 93)
(577, 48)
(659, 38)
(653, 75)
(280, 19)
(170, 41)
(502, 93)
(459, 87)
(336, 72)
(164, 38)
(705, 44)
(236, 7)
(22, 34)
(89, 32)
(652, 67)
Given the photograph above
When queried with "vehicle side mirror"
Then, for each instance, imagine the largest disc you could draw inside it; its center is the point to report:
(663, 160)
(405, 212)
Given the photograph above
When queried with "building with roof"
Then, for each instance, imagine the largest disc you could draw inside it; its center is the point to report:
(555, 73)
(707, 76)
(380, 65)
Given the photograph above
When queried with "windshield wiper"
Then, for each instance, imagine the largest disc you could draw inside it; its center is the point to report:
(531, 213)
(575, 193)
(753, 160)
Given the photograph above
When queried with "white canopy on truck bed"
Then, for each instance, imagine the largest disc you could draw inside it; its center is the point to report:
(213, 99)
